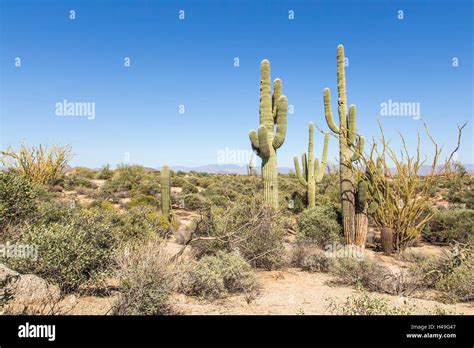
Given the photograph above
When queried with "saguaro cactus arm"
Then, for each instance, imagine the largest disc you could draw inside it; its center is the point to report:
(280, 119)
(320, 169)
(254, 140)
(359, 148)
(299, 175)
(328, 111)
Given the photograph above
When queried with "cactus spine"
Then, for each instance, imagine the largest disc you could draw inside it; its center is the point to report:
(312, 172)
(272, 112)
(165, 192)
(349, 150)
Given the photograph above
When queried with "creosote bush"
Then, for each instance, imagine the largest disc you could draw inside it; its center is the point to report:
(319, 225)
(215, 276)
(450, 225)
(74, 254)
(18, 198)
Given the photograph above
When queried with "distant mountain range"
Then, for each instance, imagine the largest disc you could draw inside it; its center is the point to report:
(235, 169)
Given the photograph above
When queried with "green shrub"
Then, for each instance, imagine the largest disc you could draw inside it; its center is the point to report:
(194, 202)
(73, 254)
(189, 188)
(18, 198)
(147, 278)
(450, 225)
(459, 284)
(75, 180)
(365, 304)
(319, 225)
(215, 276)
(452, 274)
(140, 199)
(105, 173)
(125, 178)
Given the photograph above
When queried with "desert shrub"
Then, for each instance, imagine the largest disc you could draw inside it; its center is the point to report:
(319, 225)
(247, 226)
(194, 202)
(359, 272)
(105, 173)
(460, 190)
(365, 304)
(75, 180)
(450, 225)
(189, 188)
(72, 254)
(18, 198)
(459, 284)
(147, 278)
(311, 259)
(215, 276)
(125, 178)
(40, 164)
(138, 224)
(140, 199)
(365, 273)
(452, 274)
(81, 190)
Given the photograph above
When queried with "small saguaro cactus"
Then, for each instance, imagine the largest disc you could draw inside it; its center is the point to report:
(266, 141)
(313, 171)
(349, 148)
(165, 192)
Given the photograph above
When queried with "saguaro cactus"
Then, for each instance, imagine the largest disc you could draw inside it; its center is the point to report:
(349, 149)
(272, 112)
(312, 172)
(165, 191)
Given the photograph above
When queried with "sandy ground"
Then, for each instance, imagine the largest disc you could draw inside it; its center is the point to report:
(291, 292)
(287, 292)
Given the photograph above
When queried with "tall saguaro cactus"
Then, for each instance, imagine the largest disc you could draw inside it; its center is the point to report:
(312, 172)
(273, 109)
(349, 148)
(165, 192)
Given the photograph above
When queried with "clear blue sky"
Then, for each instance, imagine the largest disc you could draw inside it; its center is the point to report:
(191, 62)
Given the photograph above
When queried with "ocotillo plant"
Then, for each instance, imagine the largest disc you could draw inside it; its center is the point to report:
(349, 150)
(272, 112)
(165, 192)
(312, 172)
